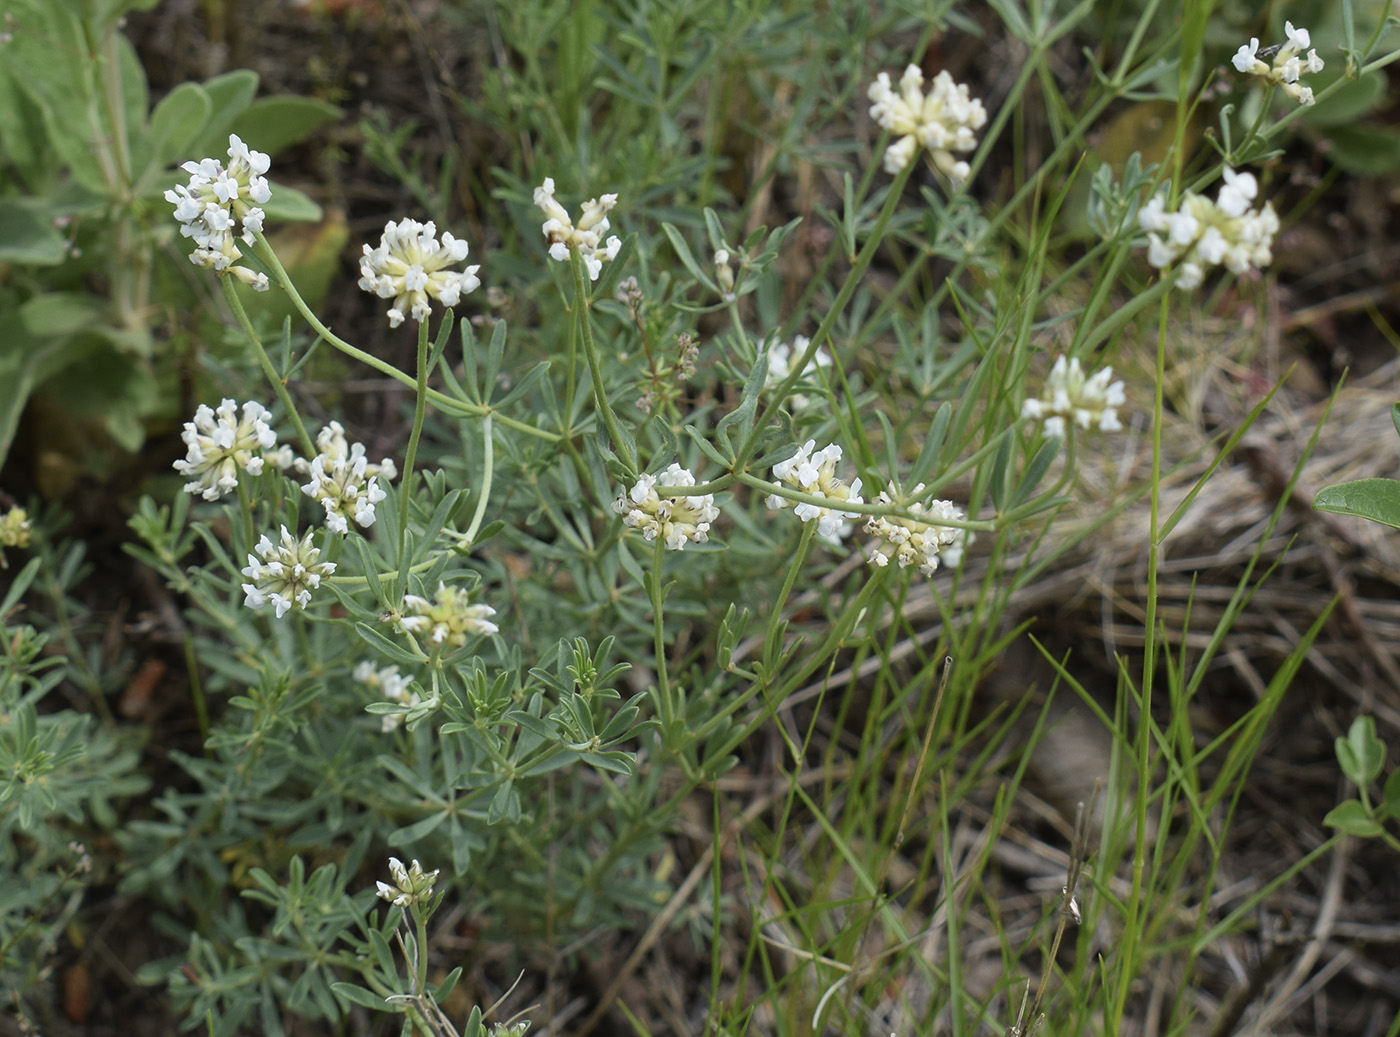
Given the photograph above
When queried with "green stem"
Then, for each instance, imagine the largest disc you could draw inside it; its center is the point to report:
(488, 464)
(665, 708)
(449, 404)
(308, 445)
(583, 313)
(420, 406)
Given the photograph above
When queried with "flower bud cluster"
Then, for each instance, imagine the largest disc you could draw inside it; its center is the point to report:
(393, 686)
(220, 202)
(676, 519)
(944, 121)
(448, 620)
(1090, 403)
(914, 541)
(14, 528)
(1286, 67)
(287, 574)
(412, 885)
(1202, 233)
(410, 267)
(343, 481)
(220, 443)
(585, 237)
(815, 473)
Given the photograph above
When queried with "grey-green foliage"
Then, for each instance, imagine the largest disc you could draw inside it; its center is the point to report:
(60, 773)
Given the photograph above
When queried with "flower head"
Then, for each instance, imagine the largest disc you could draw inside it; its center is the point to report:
(344, 482)
(944, 121)
(216, 201)
(781, 357)
(410, 266)
(676, 519)
(815, 474)
(1090, 403)
(287, 574)
(914, 541)
(220, 443)
(585, 237)
(412, 885)
(1202, 233)
(14, 528)
(448, 619)
(392, 686)
(1287, 64)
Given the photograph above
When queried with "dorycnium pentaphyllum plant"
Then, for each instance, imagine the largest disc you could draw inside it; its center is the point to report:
(681, 498)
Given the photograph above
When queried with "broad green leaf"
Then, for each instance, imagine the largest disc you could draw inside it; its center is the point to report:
(61, 313)
(230, 94)
(1361, 753)
(1351, 817)
(272, 123)
(1374, 499)
(26, 237)
(1368, 150)
(1350, 102)
(290, 205)
(1392, 793)
(176, 123)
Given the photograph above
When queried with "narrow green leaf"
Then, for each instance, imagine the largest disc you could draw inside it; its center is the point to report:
(360, 996)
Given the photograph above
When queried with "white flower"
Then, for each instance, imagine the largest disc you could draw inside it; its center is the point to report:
(815, 474)
(585, 237)
(412, 885)
(724, 275)
(220, 444)
(780, 360)
(1287, 66)
(944, 121)
(216, 200)
(410, 266)
(393, 686)
(344, 482)
(1202, 233)
(1090, 403)
(447, 620)
(677, 519)
(286, 576)
(915, 542)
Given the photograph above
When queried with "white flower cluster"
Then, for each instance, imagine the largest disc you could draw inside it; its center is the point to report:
(410, 266)
(346, 484)
(815, 474)
(287, 574)
(781, 355)
(412, 885)
(1202, 233)
(393, 686)
(1090, 403)
(1287, 66)
(943, 122)
(219, 202)
(448, 620)
(220, 443)
(585, 237)
(916, 542)
(677, 520)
